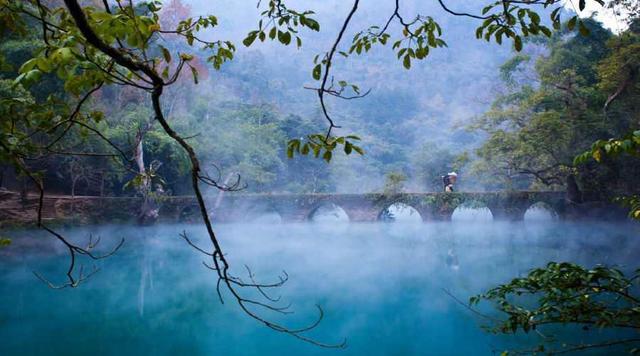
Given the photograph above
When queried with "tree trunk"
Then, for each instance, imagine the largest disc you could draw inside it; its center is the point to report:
(574, 194)
(101, 184)
(221, 192)
(149, 210)
(24, 194)
(74, 180)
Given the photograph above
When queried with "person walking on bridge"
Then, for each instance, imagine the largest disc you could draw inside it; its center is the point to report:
(449, 180)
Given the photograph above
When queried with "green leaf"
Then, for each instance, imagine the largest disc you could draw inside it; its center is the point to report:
(166, 54)
(285, 38)
(406, 63)
(317, 71)
(517, 42)
(312, 24)
(250, 39)
(348, 148)
(44, 64)
(583, 29)
(28, 65)
(572, 23)
(327, 156)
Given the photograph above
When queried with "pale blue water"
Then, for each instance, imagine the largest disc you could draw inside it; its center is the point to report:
(379, 284)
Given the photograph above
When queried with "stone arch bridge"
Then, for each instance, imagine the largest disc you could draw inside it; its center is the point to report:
(509, 206)
(236, 207)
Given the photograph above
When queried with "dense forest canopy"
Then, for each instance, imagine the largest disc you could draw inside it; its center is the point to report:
(555, 106)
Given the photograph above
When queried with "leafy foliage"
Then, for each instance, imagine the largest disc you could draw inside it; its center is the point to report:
(514, 20)
(394, 183)
(418, 36)
(282, 24)
(321, 146)
(565, 293)
(537, 127)
(618, 75)
(629, 144)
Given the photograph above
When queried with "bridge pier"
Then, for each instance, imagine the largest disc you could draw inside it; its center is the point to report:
(509, 207)
(358, 208)
(502, 213)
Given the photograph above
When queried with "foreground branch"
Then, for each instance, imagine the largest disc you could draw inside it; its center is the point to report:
(219, 262)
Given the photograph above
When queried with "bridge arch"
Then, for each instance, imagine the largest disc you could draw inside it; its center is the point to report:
(262, 213)
(541, 211)
(401, 212)
(326, 211)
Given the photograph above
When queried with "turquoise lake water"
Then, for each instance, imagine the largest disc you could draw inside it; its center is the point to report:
(380, 285)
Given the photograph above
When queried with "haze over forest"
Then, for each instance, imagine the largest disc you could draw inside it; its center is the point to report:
(416, 125)
(406, 113)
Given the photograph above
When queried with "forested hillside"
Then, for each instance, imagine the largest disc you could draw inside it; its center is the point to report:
(440, 116)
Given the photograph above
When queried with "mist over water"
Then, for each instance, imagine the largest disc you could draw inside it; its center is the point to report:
(399, 212)
(381, 286)
(470, 214)
(328, 213)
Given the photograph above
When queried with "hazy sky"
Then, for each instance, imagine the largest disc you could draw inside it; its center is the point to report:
(606, 16)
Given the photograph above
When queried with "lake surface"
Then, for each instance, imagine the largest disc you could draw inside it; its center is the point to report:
(380, 285)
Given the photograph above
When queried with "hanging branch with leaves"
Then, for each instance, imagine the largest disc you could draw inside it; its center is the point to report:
(564, 293)
(88, 47)
(511, 19)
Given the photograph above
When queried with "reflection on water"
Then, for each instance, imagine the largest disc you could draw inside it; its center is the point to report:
(539, 212)
(380, 285)
(471, 213)
(400, 212)
(328, 213)
(271, 217)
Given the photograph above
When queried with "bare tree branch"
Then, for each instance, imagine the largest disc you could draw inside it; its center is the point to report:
(220, 264)
(323, 87)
